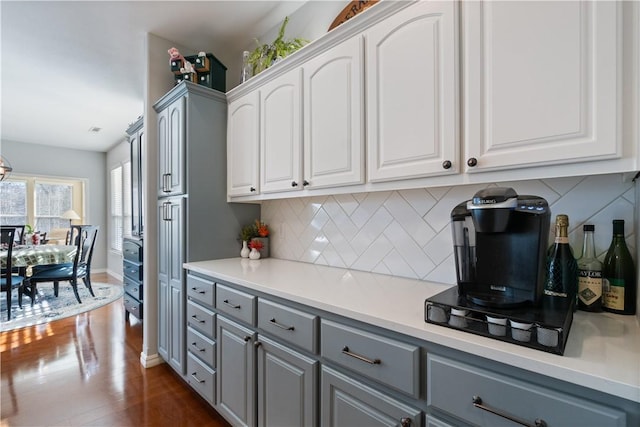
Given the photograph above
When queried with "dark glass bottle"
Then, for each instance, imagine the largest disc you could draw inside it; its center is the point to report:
(562, 269)
(619, 274)
(589, 274)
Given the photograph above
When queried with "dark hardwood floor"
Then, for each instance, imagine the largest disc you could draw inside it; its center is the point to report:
(85, 371)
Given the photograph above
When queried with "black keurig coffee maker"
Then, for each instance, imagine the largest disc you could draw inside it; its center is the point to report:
(500, 242)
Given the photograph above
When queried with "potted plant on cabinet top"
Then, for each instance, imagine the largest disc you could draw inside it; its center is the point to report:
(265, 55)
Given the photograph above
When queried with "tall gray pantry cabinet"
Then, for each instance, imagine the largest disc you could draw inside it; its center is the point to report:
(195, 222)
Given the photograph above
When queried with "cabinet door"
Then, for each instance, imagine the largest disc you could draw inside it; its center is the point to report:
(541, 82)
(287, 383)
(412, 92)
(281, 134)
(236, 386)
(171, 149)
(333, 116)
(346, 402)
(243, 146)
(135, 142)
(171, 325)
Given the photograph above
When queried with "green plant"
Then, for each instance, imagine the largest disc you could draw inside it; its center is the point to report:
(263, 56)
(28, 229)
(248, 232)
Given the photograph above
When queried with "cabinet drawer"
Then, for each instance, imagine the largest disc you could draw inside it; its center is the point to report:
(452, 387)
(291, 325)
(388, 361)
(132, 270)
(201, 378)
(133, 288)
(201, 319)
(236, 304)
(202, 347)
(201, 290)
(133, 306)
(132, 251)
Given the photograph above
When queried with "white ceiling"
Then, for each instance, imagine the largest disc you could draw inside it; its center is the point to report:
(67, 66)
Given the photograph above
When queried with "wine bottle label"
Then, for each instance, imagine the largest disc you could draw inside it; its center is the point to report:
(562, 239)
(613, 293)
(589, 286)
(555, 294)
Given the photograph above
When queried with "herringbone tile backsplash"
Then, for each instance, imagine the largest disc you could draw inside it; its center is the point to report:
(407, 233)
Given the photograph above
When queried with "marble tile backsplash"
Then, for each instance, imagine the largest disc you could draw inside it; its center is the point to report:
(407, 233)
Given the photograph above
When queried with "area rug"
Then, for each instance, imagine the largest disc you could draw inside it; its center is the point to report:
(48, 308)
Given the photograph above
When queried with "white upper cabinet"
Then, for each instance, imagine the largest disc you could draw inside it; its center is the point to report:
(281, 133)
(333, 117)
(243, 145)
(541, 83)
(412, 104)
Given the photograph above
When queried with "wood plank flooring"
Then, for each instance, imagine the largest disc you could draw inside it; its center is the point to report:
(85, 371)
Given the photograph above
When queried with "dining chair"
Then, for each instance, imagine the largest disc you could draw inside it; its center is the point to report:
(19, 234)
(8, 280)
(84, 238)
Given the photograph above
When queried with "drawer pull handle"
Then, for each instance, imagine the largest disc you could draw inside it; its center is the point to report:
(405, 422)
(237, 307)
(198, 291)
(196, 319)
(359, 357)
(281, 326)
(477, 402)
(195, 345)
(196, 378)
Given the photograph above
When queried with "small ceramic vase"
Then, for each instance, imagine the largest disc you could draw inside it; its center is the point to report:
(244, 253)
(254, 254)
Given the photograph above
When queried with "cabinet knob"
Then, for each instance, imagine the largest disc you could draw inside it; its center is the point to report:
(294, 184)
(252, 189)
(472, 162)
(305, 183)
(247, 338)
(257, 344)
(405, 421)
(446, 164)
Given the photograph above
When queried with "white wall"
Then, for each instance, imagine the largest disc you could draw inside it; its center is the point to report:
(43, 160)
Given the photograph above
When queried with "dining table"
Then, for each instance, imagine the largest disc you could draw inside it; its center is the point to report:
(31, 255)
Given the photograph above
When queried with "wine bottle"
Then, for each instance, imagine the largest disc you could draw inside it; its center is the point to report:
(589, 274)
(562, 269)
(619, 274)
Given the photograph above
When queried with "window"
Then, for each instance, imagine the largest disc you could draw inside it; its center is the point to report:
(120, 205)
(39, 201)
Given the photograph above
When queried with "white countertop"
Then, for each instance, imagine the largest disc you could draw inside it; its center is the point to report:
(602, 352)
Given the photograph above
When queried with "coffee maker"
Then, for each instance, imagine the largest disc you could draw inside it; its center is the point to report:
(500, 243)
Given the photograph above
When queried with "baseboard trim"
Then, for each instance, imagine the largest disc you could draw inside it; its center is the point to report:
(149, 361)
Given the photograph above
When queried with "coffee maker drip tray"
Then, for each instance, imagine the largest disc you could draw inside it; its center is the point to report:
(545, 327)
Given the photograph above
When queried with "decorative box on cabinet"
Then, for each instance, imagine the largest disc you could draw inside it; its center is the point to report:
(133, 277)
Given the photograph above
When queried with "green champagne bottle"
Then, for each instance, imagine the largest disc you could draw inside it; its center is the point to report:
(562, 269)
(619, 274)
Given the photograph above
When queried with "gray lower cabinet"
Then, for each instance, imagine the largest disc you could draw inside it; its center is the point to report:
(287, 384)
(347, 402)
(485, 398)
(236, 364)
(171, 294)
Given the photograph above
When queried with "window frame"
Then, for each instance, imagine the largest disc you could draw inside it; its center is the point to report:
(78, 193)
